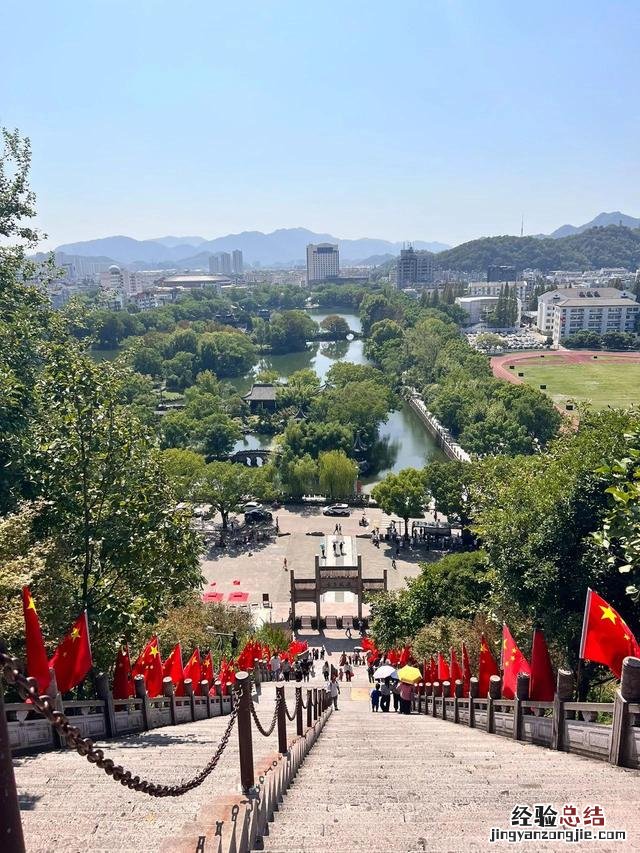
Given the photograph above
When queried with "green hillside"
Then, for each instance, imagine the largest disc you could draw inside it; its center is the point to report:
(613, 246)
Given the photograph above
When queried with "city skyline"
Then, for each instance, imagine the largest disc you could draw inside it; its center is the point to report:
(439, 122)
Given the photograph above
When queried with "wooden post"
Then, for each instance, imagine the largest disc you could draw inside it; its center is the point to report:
(629, 692)
(167, 690)
(315, 704)
(103, 692)
(282, 722)
(564, 693)
(473, 694)
(141, 693)
(495, 692)
(245, 738)
(437, 691)
(188, 691)
(522, 693)
(309, 708)
(11, 837)
(299, 725)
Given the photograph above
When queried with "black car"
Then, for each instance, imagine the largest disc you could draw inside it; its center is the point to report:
(338, 509)
(253, 516)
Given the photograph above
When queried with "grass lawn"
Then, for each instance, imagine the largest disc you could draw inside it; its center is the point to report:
(599, 383)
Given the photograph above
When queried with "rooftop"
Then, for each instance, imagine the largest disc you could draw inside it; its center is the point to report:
(261, 391)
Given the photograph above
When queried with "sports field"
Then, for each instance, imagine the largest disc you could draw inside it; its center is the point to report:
(606, 380)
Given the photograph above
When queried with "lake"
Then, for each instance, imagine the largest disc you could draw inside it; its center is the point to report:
(406, 442)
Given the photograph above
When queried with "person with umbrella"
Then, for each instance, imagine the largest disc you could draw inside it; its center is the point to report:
(385, 695)
(407, 676)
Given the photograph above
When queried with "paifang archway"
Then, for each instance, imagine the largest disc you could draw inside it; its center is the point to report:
(338, 567)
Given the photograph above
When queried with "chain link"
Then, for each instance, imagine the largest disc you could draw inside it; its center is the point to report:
(292, 717)
(265, 732)
(85, 746)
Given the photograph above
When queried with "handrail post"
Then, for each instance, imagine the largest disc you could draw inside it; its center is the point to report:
(167, 690)
(446, 693)
(218, 687)
(11, 837)
(309, 708)
(495, 692)
(428, 689)
(458, 690)
(104, 693)
(437, 691)
(299, 726)
(189, 693)
(315, 704)
(473, 694)
(141, 693)
(282, 721)
(522, 693)
(628, 692)
(564, 693)
(245, 738)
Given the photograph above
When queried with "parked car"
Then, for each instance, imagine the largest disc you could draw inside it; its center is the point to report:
(251, 505)
(257, 514)
(337, 509)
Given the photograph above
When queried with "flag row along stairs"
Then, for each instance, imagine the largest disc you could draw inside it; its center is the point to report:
(372, 782)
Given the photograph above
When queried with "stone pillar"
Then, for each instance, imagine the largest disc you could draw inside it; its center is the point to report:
(628, 693)
(104, 693)
(167, 690)
(141, 693)
(204, 691)
(436, 691)
(495, 692)
(245, 738)
(522, 693)
(11, 837)
(188, 692)
(473, 694)
(564, 693)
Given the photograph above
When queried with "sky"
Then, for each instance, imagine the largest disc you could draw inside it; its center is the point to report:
(409, 120)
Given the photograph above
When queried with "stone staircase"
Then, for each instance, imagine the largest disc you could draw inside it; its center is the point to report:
(387, 782)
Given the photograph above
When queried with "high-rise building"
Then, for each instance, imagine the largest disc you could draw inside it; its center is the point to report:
(237, 265)
(501, 273)
(414, 268)
(220, 264)
(323, 262)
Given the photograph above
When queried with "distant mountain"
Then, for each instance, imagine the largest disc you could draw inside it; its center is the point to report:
(611, 246)
(284, 246)
(601, 220)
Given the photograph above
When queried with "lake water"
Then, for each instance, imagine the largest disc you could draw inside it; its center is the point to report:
(407, 444)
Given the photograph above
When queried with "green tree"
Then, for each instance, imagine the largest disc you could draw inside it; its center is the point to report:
(184, 468)
(337, 474)
(335, 325)
(218, 434)
(402, 494)
(449, 484)
(148, 360)
(226, 486)
(299, 476)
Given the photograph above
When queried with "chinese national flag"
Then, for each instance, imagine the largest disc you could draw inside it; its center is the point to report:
(122, 677)
(405, 654)
(513, 662)
(543, 683)
(193, 670)
(72, 660)
(207, 668)
(487, 667)
(466, 670)
(454, 667)
(149, 664)
(172, 668)
(606, 637)
(443, 669)
(37, 663)
(433, 670)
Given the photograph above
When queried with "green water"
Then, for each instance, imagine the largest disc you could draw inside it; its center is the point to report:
(405, 441)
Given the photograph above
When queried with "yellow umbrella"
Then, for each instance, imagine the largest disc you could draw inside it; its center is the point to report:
(409, 674)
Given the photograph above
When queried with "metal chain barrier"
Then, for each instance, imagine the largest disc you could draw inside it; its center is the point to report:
(85, 746)
(291, 717)
(265, 732)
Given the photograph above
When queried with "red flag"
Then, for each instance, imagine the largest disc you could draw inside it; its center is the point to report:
(405, 655)
(543, 682)
(149, 664)
(122, 676)
(37, 662)
(433, 670)
(443, 669)
(72, 660)
(207, 668)
(172, 668)
(606, 637)
(193, 670)
(466, 670)
(513, 662)
(454, 668)
(487, 667)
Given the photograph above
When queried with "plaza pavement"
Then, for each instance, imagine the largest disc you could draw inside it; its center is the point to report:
(260, 566)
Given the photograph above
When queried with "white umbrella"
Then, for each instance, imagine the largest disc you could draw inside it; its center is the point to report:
(385, 671)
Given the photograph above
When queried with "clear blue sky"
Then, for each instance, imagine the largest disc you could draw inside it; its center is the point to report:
(426, 119)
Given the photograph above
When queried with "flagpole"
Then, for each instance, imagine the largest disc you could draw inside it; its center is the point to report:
(583, 640)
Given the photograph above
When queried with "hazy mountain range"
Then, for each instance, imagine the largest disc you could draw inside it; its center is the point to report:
(284, 246)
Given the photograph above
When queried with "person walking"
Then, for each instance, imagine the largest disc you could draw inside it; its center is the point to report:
(306, 666)
(405, 692)
(393, 562)
(385, 695)
(333, 689)
(370, 673)
(322, 550)
(284, 564)
(347, 631)
(274, 664)
(325, 670)
(395, 692)
(375, 697)
(286, 669)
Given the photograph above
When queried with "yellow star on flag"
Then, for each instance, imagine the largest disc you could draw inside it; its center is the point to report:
(153, 651)
(32, 605)
(608, 613)
(75, 633)
(483, 647)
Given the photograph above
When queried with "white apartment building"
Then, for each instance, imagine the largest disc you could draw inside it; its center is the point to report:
(493, 288)
(588, 311)
(237, 264)
(323, 262)
(547, 301)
